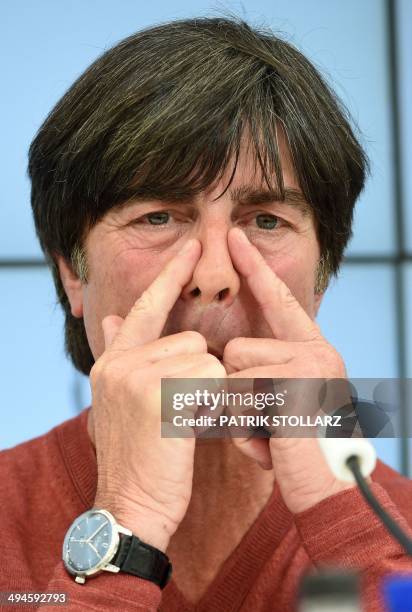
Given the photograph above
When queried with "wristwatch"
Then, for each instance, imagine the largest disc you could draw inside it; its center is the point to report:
(95, 542)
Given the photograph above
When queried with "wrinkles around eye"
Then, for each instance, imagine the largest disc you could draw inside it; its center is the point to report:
(163, 219)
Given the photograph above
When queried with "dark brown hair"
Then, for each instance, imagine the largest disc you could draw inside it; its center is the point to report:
(162, 114)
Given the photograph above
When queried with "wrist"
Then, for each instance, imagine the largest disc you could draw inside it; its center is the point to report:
(305, 500)
(149, 528)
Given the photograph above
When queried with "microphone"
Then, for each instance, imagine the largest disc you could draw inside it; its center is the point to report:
(353, 460)
(338, 450)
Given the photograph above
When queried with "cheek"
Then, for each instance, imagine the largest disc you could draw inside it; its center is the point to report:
(298, 272)
(114, 287)
(132, 271)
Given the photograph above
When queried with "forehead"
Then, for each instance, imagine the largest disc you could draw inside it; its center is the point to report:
(247, 184)
(249, 168)
(242, 181)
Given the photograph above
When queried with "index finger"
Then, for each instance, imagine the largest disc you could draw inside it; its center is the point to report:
(148, 315)
(283, 313)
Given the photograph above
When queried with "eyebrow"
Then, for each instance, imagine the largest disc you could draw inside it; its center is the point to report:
(246, 196)
(242, 196)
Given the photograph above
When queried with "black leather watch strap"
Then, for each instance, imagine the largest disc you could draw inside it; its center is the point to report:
(140, 559)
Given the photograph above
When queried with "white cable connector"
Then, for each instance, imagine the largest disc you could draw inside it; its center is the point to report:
(338, 450)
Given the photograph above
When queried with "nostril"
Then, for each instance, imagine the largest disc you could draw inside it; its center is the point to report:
(222, 294)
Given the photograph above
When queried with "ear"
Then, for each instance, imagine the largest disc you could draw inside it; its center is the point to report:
(72, 285)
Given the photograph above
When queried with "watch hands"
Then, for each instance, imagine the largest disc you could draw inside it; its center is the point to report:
(97, 531)
(95, 550)
(83, 541)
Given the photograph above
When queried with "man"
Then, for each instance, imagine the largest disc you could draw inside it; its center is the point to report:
(193, 192)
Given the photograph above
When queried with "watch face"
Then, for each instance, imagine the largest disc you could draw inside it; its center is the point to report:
(90, 542)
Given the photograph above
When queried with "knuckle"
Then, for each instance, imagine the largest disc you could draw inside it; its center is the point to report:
(232, 348)
(287, 296)
(98, 373)
(336, 360)
(146, 303)
(329, 357)
(219, 370)
(209, 359)
(195, 340)
(109, 378)
(95, 372)
(316, 333)
(213, 367)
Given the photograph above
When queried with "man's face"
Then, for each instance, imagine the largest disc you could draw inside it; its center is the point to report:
(128, 248)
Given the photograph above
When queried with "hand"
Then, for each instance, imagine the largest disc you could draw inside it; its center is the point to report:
(297, 350)
(144, 479)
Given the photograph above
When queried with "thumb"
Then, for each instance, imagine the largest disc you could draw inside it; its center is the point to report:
(111, 325)
(255, 448)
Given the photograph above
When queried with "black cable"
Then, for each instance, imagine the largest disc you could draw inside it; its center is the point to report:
(404, 540)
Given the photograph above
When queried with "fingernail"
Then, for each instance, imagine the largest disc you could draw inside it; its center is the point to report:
(265, 465)
(241, 235)
(187, 247)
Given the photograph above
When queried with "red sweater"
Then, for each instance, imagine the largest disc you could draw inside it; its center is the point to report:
(46, 482)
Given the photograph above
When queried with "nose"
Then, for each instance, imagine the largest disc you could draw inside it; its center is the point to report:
(214, 278)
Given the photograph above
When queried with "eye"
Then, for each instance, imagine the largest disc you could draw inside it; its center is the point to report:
(157, 218)
(266, 221)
